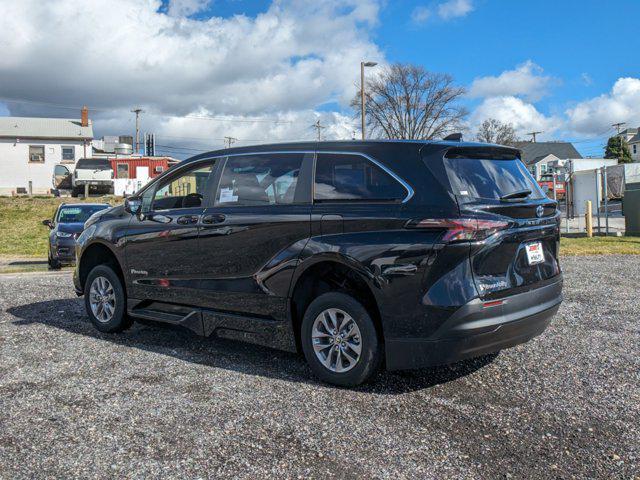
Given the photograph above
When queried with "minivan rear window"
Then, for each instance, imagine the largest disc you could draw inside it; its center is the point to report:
(488, 178)
(94, 163)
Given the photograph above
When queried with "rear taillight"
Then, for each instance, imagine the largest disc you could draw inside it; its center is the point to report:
(461, 229)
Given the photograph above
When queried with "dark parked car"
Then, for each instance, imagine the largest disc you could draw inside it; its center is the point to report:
(66, 226)
(406, 253)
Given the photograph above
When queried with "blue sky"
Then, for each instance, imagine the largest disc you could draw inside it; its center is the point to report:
(564, 67)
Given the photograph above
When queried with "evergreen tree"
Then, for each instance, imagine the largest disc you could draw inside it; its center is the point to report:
(617, 147)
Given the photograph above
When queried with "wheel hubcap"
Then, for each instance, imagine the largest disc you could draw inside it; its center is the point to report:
(102, 299)
(336, 340)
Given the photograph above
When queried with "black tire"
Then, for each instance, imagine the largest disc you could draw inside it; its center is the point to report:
(371, 349)
(119, 320)
(53, 264)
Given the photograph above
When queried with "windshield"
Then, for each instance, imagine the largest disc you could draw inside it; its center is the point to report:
(94, 164)
(484, 178)
(78, 214)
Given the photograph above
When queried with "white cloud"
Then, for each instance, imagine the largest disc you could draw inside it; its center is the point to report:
(420, 14)
(454, 8)
(296, 55)
(586, 79)
(525, 80)
(184, 8)
(522, 115)
(446, 11)
(622, 104)
(174, 134)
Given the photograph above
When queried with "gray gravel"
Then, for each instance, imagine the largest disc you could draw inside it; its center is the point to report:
(156, 401)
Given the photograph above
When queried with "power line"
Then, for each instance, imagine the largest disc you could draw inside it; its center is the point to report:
(162, 115)
(170, 147)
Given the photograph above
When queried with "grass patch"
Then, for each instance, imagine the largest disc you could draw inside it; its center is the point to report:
(600, 246)
(25, 236)
(21, 222)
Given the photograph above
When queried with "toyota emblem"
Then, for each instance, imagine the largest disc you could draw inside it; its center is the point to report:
(540, 211)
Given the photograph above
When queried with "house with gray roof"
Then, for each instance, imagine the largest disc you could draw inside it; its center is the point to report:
(32, 148)
(633, 141)
(541, 157)
(628, 133)
(537, 155)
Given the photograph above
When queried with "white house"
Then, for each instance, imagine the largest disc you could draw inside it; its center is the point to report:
(537, 155)
(632, 136)
(628, 133)
(634, 147)
(30, 149)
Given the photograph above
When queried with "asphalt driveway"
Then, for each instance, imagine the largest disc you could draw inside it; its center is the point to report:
(161, 402)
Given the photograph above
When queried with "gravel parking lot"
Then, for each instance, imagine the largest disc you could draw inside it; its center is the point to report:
(156, 401)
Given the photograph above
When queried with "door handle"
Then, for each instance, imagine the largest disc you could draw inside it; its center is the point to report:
(159, 218)
(187, 219)
(214, 218)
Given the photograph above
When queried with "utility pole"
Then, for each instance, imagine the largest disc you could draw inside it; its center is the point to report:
(533, 135)
(137, 111)
(228, 141)
(618, 125)
(318, 128)
(362, 96)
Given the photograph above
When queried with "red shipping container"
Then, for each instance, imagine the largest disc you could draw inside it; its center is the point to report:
(134, 167)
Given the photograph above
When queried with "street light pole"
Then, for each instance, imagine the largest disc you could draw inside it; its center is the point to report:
(362, 97)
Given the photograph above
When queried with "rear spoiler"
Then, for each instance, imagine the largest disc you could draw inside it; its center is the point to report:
(491, 153)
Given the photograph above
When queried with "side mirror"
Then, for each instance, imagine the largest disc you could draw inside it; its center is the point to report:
(48, 223)
(133, 205)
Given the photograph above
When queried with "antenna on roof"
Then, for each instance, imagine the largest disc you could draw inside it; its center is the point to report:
(454, 137)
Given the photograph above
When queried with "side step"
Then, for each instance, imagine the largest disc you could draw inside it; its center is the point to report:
(204, 322)
(167, 313)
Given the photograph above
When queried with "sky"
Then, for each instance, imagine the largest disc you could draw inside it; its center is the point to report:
(266, 71)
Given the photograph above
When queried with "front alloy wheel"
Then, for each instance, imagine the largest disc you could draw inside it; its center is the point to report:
(105, 300)
(102, 299)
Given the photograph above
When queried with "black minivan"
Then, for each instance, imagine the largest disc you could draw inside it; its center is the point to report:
(357, 254)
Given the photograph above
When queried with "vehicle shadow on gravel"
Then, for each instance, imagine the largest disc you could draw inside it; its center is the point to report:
(180, 343)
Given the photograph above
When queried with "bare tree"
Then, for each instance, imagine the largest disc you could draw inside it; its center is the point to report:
(407, 102)
(494, 131)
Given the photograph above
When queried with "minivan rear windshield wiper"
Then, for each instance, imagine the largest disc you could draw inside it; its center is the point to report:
(517, 194)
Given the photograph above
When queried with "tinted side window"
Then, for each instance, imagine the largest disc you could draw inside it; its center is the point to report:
(183, 191)
(268, 179)
(354, 177)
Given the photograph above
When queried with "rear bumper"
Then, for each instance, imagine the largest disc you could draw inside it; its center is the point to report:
(475, 330)
(94, 183)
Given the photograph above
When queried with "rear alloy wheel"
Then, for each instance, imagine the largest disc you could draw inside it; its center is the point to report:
(336, 340)
(339, 340)
(105, 300)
